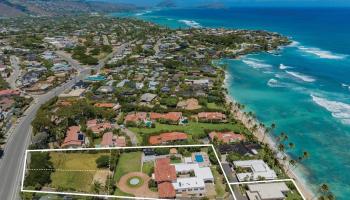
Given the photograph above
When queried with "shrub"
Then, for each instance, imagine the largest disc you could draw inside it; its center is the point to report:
(102, 162)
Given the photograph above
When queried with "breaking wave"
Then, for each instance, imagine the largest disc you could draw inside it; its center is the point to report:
(322, 53)
(191, 23)
(255, 63)
(301, 76)
(339, 110)
(143, 13)
(274, 83)
(283, 67)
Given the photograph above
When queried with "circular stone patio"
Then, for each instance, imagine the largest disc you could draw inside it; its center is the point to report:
(136, 183)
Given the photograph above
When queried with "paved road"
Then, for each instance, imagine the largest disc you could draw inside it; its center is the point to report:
(15, 73)
(11, 165)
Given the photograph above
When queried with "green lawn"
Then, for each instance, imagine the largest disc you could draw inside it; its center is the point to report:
(215, 106)
(175, 160)
(219, 186)
(192, 128)
(128, 162)
(293, 196)
(75, 161)
(73, 180)
(118, 192)
(148, 167)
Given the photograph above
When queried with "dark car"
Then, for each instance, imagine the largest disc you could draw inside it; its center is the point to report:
(1, 152)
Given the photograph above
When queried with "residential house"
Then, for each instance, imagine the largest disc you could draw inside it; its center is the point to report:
(148, 97)
(165, 138)
(9, 93)
(171, 117)
(211, 117)
(226, 137)
(240, 148)
(136, 117)
(106, 89)
(97, 126)
(267, 191)
(110, 140)
(189, 104)
(257, 169)
(174, 180)
(74, 138)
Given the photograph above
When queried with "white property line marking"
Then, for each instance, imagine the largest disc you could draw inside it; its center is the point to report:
(272, 181)
(263, 181)
(223, 172)
(69, 170)
(120, 148)
(109, 166)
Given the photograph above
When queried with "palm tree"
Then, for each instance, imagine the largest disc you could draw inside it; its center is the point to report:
(330, 196)
(281, 147)
(273, 126)
(324, 190)
(291, 145)
(306, 155)
(291, 162)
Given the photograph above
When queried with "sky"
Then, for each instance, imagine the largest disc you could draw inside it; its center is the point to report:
(232, 3)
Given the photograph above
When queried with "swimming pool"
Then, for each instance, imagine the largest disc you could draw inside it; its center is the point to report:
(199, 158)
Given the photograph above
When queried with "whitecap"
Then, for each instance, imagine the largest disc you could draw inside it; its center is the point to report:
(283, 67)
(191, 23)
(301, 76)
(272, 83)
(322, 53)
(344, 85)
(143, 13)
(338, 109)
(294, 44)
(255, 63)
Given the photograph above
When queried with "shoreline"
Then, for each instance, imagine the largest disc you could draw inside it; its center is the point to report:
(249, 123)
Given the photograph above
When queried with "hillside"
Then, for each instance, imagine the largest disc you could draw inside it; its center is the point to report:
(12, 8)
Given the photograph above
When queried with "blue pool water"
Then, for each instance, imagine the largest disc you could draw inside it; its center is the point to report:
(199, 158)
(96, 78)
(305, 89)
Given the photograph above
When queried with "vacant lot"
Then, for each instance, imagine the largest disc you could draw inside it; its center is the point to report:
(75, 180)
(128, 162)
(72, 181)
(75, 161)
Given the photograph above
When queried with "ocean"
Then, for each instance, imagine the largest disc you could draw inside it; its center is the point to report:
(303, 88)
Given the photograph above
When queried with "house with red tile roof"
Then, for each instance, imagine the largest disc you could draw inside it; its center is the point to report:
(74, 138)
(167, 137)
(170, 185)
(166, 190)
(172, 117)
(136, 117)
(211, 116)
(110, 140)
(104, 105)
(163, 171)
(97, 127)
(226, 137)
(9, 92)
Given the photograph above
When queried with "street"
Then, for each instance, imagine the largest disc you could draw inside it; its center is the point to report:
(16, 70)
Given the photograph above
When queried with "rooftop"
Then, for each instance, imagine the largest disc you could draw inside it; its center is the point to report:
(258, 169)
(267, 191)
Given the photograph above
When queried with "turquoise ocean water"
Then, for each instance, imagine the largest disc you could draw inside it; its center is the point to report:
(304, 89)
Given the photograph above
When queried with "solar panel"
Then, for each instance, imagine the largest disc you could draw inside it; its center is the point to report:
(80, 137)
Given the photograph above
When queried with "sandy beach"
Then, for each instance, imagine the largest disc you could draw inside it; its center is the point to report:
(259, 133)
